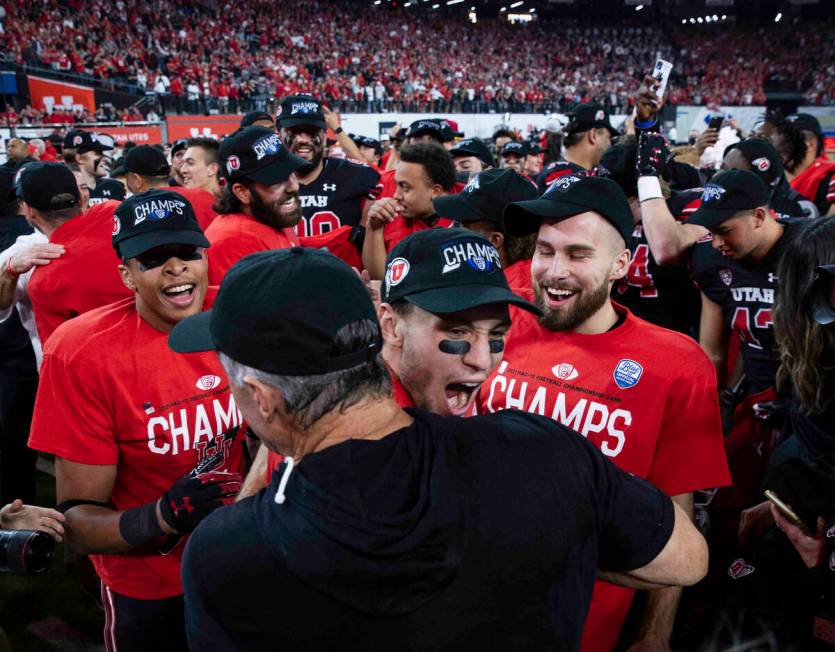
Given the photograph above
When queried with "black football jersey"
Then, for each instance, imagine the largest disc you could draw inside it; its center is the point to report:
(106, 189)
(746, 295)
(663, 295)
(335, 198)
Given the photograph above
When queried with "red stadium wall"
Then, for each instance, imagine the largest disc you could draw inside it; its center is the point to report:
(46, 93)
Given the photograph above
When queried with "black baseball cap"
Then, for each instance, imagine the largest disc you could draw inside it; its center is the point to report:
(450, 130)
(428, 126)
(70, 141)
(727, 193)
(257, 153)
(47, 186)
(806, 122)
(277, 311)
(588, 116)
(618, 164)
(568, 196)
(485, 197)
(85, 141)
(256, 116)
(764, 159)
(179, 144)
(473, 147)
(365, 141)
(515, 149)
(146, 160)
(822, 311)
(300, 110)
(154, 218)
(447, 270)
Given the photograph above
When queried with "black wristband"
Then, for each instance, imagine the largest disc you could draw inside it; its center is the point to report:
(139, 525)
(338, 130)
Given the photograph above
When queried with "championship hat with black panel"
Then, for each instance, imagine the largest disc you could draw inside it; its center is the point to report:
(179, 145)
(728, 193)
(447, 270)
(806, 122)
(277, 311)
(427, 126)
(47, 186)
(618, 164)
(588, 116)
(472, 147)
(485, 197)
(764, 159)
(257, 154)
(154, 218)
(252, 117)
(146, 160)
(300, 111)
(85, 141)
(515, 149)
(569, 196)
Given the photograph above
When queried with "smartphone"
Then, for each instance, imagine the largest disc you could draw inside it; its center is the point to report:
(716, 122)
(785, 510)
(661, 73)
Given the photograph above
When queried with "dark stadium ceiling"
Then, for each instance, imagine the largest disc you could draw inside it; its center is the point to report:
(613, 11)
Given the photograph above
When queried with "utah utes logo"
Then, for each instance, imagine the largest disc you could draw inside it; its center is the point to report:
(233, 163)
(397, 271)
(77, 140)
(208, 382)
(762, 164)
(599, 116)
(565, 371)
(117, 225)
(727, 276)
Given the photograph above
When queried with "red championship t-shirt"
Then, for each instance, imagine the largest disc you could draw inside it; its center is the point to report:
(112, 392)
(237, 235)
(644, 394)
(86, 276)
(201, 201)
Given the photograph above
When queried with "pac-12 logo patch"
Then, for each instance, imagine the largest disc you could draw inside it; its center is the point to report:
(565, 371)
(727, 276)
(627, 373)
(397, 271)
(208, 382)
(739, 569)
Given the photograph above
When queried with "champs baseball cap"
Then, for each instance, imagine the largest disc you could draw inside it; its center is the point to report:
(515, 149)
(179, 145)
(822, 310)
(277, 311)
(806, 122)
(70, 141)
(447, 270)
(428, 126)
(764, 159)
(146, 160)
(588, 116)
(728, 193)
(485, 196)
(85, 141)
(365, 141)
(300, 110)
(154, 218)
(257, 153)
(568, 196)
(256, 116)
(473, 147)
(47, 186)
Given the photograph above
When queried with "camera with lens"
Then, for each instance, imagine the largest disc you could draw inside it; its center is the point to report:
(25, 551)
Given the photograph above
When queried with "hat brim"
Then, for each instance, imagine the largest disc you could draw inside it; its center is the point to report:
(456, 207)
(525, 217)
(825, 269)
(712, 217)
(431, 132)
(140, 243)
(118, 171)
(192, 334)
(277, 171)
(301, 122)
(448, 300)
(462, 152)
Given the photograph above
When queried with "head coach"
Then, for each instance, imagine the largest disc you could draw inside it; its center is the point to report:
(399, 529)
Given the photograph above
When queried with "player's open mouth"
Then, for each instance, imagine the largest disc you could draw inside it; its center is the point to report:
(180, 295)
(558, 296)
(304, 151)
(460, 396)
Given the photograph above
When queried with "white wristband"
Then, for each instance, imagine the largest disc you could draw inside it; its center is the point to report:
(649, 188)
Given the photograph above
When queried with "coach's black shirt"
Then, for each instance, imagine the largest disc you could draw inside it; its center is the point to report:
(105, 190)
(450, 534)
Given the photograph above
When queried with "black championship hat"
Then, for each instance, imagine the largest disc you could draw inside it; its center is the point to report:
(256, 116)
(822, 310)
(428, 126)
(473, 147)
(257, 154)
(154, 218)
(70, 141)
(764, 159)
(447, 270)
(485, 197)
(85, 141)
(618, 164)
(728, 193)
(806, 122)
(181, 144)
(588, 116)
(568, 196)
(515, 149)
(146, 160)
(365, 141)
(277, 311)
(300, 110)
(47, 186)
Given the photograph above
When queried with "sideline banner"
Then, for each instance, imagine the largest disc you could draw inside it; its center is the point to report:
(194, 126)
(141, 135)
(47, 93)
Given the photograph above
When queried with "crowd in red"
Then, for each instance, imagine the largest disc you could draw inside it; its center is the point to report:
(244, 55)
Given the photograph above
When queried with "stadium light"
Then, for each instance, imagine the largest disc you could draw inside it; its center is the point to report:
(683, 21)
(639, 7)
(435, 6)
(724, 16)
(454, 2)
(532, 10)
(503, 9)
(707, 19)
(715, 18)
(778, 17)
(408, 4)
(517, 4)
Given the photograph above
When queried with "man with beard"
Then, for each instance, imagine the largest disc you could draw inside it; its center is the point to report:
(200, 168)
(644, 394)
(332, 191)
(260, 203)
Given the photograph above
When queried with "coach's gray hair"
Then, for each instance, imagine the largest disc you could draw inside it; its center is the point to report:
(309, 398)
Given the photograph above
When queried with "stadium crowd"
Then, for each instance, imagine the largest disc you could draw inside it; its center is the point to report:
(411, 61)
